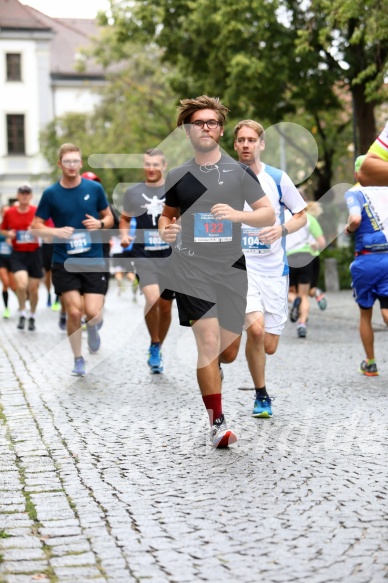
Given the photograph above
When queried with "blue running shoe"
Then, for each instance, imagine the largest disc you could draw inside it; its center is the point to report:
(62, 321)
(294, 312)
(94, 340)
(321, 300)
(262, 407)
(79, 367)
(155, 358)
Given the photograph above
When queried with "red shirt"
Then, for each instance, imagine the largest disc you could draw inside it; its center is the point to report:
(20, 222)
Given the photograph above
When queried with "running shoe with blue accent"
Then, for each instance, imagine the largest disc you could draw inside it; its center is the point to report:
(79, 367)
(294, 312)
(62, 321)
(262, 407)
(94, 340)
(155, 361)
(321, 300)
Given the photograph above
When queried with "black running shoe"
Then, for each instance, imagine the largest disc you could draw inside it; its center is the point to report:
(294, 312)
(22, 323)
(31, 324)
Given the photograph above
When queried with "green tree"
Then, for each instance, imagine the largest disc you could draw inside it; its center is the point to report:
(351, 39)
(136, 110)
(272, 60)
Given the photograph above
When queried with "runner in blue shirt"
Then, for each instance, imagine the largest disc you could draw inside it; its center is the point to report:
(79, 209)
(368, 220)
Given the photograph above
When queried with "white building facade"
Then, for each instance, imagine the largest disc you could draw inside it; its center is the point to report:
(38, 81)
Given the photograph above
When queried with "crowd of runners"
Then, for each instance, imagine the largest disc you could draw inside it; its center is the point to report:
(233, 242)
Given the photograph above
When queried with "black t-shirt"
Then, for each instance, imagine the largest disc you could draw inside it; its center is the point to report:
(145, 203)
(194, 189)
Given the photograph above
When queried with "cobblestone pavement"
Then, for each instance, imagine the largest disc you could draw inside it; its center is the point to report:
(111, 478)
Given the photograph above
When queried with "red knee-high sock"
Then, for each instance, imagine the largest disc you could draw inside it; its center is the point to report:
(213, 404)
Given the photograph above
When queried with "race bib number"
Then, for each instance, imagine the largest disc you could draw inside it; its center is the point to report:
(153, 242)
(207, 229)
(79, 243)
(250, 241)
(23, 237)
(5, 248)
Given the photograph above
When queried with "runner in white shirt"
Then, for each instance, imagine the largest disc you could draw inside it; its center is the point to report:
(266, 260)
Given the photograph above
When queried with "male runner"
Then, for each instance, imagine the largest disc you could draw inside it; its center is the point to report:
(265, 255)
(368, 220)
(6, 276)
(208, 194)
(144, 201)
(79, 209)
(26, 258)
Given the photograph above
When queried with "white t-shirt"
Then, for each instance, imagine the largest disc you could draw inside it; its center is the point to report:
(281, 191)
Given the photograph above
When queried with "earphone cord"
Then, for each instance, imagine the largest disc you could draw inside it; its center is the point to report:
(212, 167)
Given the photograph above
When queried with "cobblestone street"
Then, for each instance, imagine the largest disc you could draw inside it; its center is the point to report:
(111, 477)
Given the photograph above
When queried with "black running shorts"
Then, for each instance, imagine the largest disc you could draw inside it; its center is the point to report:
(85, 282)
(30, 261)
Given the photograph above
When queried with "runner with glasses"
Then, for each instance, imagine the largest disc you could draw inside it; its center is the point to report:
(207, 195)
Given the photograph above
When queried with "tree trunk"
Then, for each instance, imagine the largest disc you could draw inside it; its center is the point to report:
(364, 120)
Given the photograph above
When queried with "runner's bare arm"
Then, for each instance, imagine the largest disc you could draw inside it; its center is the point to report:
(167, 224)
(39, 229)
(373, 171)
(296, 222)
(261, 215)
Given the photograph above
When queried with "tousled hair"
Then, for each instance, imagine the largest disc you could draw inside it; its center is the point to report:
(65, 148)
(250, 123)
(189, 106)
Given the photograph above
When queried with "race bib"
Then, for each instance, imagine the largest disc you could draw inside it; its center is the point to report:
(153, 242)
(5, 248)
(23, 237)
(377, 212)
(207, 229)
(250, 241)
(79, 243)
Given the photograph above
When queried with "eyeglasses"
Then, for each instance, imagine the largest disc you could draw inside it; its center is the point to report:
(70, 163)
(211, 124)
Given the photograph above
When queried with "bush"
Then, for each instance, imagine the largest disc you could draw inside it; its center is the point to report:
(344, 257)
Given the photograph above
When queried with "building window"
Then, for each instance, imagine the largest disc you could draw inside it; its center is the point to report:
(14, 67)
(15, 134)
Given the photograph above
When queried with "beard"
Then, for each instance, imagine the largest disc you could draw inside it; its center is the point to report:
(204, 145)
